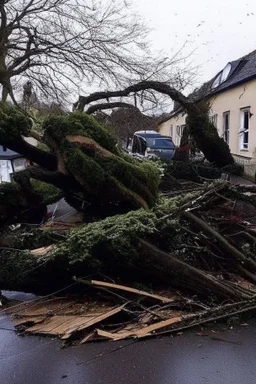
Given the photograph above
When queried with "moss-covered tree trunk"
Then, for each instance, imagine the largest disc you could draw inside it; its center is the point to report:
(206, 136)
(84, 161)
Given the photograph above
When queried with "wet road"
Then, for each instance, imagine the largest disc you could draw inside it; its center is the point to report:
(186, 359)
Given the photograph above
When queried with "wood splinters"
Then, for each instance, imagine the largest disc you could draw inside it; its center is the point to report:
(127, 289)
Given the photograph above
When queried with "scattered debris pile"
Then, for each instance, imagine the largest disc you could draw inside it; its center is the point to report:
(196, 251)
(135, 314)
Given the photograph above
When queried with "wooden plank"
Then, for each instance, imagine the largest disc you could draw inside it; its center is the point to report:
(105, 334)
(50, 324)
(103, 284)
(139, 333)
(154, 327)
(89, 337)
(59, 325)
(95, 320)
(42, 251)
(47, 308)
(28, 319)
(73, 323)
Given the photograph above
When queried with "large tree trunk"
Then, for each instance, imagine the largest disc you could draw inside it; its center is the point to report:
(23, 271)
(181, 275)
(5, 93)
(206, 136)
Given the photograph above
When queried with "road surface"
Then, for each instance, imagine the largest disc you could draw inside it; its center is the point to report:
(227, 357)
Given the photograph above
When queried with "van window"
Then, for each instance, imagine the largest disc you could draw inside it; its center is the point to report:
(160, 143)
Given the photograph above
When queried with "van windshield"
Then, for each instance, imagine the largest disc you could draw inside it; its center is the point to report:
(160, 142)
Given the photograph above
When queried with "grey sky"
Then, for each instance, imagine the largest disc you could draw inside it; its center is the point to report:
(220, 30)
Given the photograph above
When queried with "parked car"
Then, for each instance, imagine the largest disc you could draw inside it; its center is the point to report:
(152, 144)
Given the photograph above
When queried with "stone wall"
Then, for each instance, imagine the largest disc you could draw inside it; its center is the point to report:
(249, 164)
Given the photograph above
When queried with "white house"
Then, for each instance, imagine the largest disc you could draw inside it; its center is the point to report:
(232, 96)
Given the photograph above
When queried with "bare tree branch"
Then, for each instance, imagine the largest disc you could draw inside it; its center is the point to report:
(100, 107)
(59, 44)
(63, 45)
(141, 86)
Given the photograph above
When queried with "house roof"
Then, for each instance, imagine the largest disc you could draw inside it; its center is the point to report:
(8, 154)
(242, 70)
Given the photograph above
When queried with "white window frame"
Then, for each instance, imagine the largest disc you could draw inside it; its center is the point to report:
(171, 131)
(223, 75)
(179, 132)
(226, 129)
(244, 132)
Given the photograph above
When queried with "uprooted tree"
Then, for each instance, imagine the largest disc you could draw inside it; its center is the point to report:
(186, 242)
(83, 162)
(172, 244)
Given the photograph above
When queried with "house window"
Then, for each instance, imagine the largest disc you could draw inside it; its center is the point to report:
(179, 132)
(214, 119)
(223, 75)
(226, 122)
(244, 128)
(171, 130)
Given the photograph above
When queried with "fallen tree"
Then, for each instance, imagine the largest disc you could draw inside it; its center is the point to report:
(198, 242)
(195, 250)
(161, 245)
(82, 161)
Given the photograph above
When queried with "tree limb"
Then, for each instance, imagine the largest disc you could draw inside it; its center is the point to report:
(100, 107)
(247, 262)
(36, 155)
(141, 86)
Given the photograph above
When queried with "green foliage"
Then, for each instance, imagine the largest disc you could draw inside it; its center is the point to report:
(107, 177)
(109, 245)
(13, 122)
(89, 173)
(11, 198)
(14, 199)
(112, 242)
(143, 178)
(191, 171)
(109, 241)
(14, 266)
(234, 169)
(79, 123)
(48, 192)
(24, 240)
(43, 147)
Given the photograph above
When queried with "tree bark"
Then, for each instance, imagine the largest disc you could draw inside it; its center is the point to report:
(182, 275)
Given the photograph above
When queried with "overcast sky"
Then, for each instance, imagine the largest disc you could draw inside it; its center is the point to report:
(220, 30)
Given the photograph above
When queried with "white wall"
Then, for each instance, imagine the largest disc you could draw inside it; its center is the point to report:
(232, 100)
